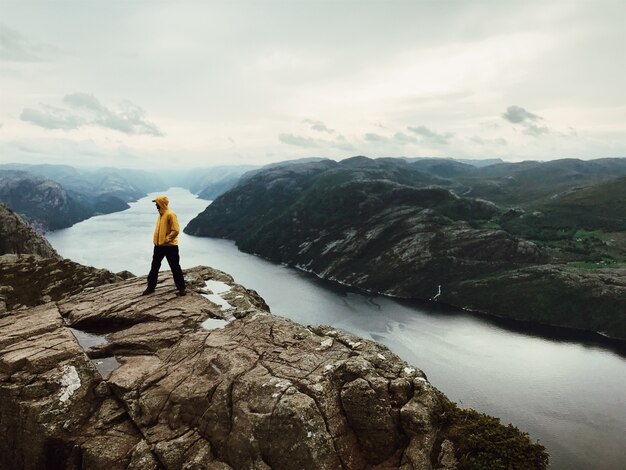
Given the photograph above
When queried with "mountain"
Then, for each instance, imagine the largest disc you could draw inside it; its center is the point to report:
(585, 224)
(209, 182)
(475, 162)
(44, 203)
(17, 237)
(402, 229)
(52, 197)
(124, 184)
(161, 381)
(528, 182)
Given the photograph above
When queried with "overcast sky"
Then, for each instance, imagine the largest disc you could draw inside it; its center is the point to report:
(154, 84)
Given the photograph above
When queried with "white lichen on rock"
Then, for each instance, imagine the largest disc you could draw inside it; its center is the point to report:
(70, 383)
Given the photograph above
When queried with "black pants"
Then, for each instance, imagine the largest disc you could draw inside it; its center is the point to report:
(173, 259)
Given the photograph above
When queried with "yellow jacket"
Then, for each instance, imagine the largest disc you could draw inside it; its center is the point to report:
(167, 229)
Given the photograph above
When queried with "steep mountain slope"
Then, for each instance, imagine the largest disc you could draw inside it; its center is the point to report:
(17, 237)
(384, 226)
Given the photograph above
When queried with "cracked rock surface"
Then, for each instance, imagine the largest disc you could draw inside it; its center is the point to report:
(257, 392)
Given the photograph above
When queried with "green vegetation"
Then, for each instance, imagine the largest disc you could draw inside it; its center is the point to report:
(483, 443)
(576, 222)
(390, 226)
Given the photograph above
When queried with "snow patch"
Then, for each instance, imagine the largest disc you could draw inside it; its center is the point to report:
(70, 383)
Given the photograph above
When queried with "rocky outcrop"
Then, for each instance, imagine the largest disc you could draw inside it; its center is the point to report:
(17, 237)
(29, 280)
(111, 379)
(31, 271)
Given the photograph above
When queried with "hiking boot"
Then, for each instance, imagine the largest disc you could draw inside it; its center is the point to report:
(181, 293)
(148, 291)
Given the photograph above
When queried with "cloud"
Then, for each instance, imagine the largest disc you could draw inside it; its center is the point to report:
(479, 140)
(15, 47)
(429, 136)
(535, 131)
(403, 138)
(298, 140)
(83, 109)
(340, 142)
(319, 126)
(399, 138)
(518, 115)
(52, 118)
(371, 137)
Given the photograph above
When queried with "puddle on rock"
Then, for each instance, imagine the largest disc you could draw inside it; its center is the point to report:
(88, 340)
(214, 323)
(106, 365)
(218, 288)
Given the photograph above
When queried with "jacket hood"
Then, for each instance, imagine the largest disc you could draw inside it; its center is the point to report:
(162, 201)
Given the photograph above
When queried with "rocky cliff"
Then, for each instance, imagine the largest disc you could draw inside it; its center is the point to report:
(17, 237)
(32, 272)
(403, 230)
(29, 280)
(109, 379)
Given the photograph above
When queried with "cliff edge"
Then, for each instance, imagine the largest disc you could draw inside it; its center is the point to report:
(108, 379)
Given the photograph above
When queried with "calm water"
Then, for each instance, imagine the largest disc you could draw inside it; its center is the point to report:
(570, 396)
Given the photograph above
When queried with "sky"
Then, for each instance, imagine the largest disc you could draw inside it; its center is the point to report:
(149, 84)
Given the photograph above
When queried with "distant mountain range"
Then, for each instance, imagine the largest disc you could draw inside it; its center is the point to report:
(52, 197)
(532, 241)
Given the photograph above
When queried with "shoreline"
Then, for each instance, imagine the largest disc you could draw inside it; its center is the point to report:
(533, 328)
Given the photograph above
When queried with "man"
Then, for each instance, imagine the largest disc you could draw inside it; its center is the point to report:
(165, 246)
